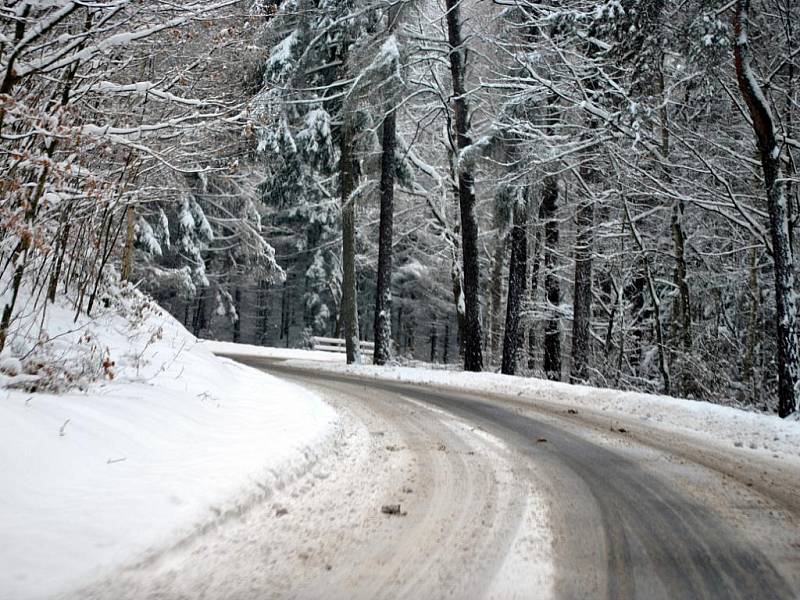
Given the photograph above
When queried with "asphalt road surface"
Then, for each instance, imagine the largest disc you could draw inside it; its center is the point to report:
(499, 499)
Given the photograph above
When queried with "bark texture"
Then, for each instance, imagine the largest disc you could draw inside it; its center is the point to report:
(764, 128)
(517, 272)
(582, 293)
(349, 292)
(383, 293)
(552, 287)
(473, 352)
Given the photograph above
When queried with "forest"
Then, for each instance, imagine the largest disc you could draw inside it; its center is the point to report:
(603, 193)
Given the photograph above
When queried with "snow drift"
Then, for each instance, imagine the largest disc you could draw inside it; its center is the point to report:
(152, 437)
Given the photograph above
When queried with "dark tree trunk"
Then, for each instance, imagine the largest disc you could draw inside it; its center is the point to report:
(383, 294)
(517, 268)
(552, 288)
(535, 264)
(640, 314)
(237, 321)
(582, 293)
(764, 128)
(349, 292)
(683, 315)
(63, 240)
(284, 300)
(496, 296)
(399, 329)
(199, 321)
(748, 362)
(263, 313)
(473, 352)
(434, 341)
(286, 319)
(446, 343)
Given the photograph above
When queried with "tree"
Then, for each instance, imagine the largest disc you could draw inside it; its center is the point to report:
(382, 329)
(473, 337)
(770, 152)
(88, 138)
(517, 275)
(383, 293)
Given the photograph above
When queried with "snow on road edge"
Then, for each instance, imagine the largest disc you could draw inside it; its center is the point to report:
(729, 428)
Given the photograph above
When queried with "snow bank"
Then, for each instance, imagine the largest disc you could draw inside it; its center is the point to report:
(727, 427)
(90, 479)
(278, 353)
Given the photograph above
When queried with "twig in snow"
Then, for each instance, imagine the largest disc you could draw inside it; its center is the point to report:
(62, 431)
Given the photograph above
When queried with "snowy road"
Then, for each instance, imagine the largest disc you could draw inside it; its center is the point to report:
(502, 499)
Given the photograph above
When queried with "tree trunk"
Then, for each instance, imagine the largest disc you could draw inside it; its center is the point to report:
(399, 329)
(752, 325)
(496, 295)
(349, 292)
(535, 264)
(127, 251)
(458, 299)
(237, 321)
(552, 288)
(582, 295)
(516, 289)
(63, 240)
(199, 321)
(764, 128)
(473, 352)
(263, 300)
(446, 343)
(683, 316)
(284, 301)
(383, 293)
(434, 341)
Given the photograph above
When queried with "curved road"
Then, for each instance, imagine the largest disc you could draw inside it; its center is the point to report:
(630, 512)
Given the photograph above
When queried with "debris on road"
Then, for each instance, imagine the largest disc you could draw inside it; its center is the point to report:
(392, 509)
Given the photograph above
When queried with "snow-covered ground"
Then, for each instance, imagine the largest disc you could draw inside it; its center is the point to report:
(281, 353)
(728, 427)
(91, 479)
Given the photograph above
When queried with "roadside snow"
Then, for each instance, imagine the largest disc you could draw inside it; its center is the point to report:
(721, 425)
(89, 480)
(280, 353)
(724, 426)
